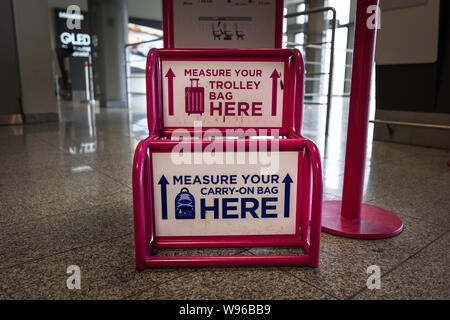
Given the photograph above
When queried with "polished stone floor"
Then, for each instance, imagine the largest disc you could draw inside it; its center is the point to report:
(66, 200)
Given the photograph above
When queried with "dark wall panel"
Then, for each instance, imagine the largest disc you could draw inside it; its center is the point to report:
(418, 87)
(406, 87)
(443, 89)
(9, 65)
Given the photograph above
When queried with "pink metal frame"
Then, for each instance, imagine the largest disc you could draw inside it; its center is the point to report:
(168, 23)
(309, 203)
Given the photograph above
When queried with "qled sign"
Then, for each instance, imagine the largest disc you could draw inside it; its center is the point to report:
(78, 38)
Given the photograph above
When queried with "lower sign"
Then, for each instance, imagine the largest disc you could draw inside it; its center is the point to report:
(224, 199)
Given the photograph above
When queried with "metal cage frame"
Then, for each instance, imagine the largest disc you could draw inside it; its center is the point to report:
(309, 191)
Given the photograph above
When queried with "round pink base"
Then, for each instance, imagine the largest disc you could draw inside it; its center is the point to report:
(374, 223)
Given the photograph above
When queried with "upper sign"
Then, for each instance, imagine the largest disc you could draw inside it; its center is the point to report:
(247, 94)
(222, 23)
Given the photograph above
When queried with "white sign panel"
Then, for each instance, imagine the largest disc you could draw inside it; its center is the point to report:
(224, 24)
(223, 93)
(409, 34)
(220, 199)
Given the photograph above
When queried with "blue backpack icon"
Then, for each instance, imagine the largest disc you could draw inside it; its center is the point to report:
(184, 205)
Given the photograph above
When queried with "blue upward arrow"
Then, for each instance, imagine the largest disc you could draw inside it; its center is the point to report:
(287, 194)
(163, 182)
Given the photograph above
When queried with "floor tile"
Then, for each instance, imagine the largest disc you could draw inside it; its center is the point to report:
(197, 252)
(426, 200)
(39, 238)
(264, 251)
(426, 163)
(380, 180)
(103, 266)
(423, 276)
(383, 152)
(59, 194)
(200, 284)
(415, 235)
(332, 168)
(338, 276)
(235, 283)
(344, 261)
(17, 163)
(23, 145)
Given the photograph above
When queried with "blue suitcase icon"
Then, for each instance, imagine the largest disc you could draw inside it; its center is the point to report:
(184, 205)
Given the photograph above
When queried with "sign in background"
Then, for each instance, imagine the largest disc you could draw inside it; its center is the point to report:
(223, 93)
(225, 24)
(220, 199)
(404, 36)
(78, 38)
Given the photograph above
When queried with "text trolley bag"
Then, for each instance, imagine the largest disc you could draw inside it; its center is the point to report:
(238, 174)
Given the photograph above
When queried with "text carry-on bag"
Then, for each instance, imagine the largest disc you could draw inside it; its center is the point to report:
(195, 98)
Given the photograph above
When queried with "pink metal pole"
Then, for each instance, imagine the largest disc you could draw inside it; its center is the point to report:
(358, 118)
(350, 217)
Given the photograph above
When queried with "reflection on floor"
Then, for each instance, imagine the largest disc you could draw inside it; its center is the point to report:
(66, 200)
